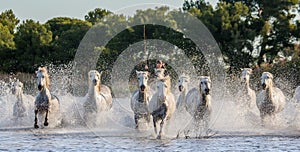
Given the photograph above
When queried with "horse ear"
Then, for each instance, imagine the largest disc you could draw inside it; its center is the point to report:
(101, 73)
(241, 69)
(271, 76)
(137, 72)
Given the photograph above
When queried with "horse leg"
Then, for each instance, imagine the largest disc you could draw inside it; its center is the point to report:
(154, 124)
(136, 121)
(46, 119)
(161, 129)
(35, 119)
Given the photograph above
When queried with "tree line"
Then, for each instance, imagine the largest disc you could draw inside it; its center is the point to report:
(249, 33)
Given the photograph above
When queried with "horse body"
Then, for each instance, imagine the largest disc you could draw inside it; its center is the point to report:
(45, 104)
(99, 97)
(140, 99)
(162, 103)
(296, 96)
(247, 96)
(20, 108)
(183, 89)
(271, 100)
(198, 102)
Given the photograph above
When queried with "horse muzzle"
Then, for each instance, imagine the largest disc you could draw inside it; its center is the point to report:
(207, 91)
(95, 82)
(264, 86)
(142, 87)
(180, 88)
(40, 87)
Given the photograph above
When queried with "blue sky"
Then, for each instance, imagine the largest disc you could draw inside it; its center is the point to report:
(43, 10)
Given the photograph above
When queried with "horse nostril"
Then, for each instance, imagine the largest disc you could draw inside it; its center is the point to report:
(40, 87)
(207, 90)
(180, 88)
(143, 87)
(95, 81)
(263, 85)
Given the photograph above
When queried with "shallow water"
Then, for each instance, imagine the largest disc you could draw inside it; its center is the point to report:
(234, 128)
(115, 133)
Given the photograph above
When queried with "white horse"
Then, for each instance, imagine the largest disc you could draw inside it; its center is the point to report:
(99, 96)
(140, 99)
(296, 97)
(183, 89)
(162, 103)
(20, 108)
(198, 102)
(271, 99)
(247, 96)
(45, 102)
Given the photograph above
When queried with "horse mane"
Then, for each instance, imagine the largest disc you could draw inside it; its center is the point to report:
(44, 70)
(166, 79)
(270, 75)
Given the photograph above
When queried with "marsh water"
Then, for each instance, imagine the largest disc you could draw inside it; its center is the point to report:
(232, 128)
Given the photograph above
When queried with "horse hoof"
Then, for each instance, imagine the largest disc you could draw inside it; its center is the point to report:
(158, 137)
(46, 124)
(36, 126)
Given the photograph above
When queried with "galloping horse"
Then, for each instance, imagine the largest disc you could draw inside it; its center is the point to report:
(45, 102)
(246, 96)
(198, 101)
(99, 96)
(183, 89)
(19, 107)
(163, 103)
(140, 99)
(270, 100)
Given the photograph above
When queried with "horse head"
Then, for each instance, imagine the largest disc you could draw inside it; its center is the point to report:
(142, 77)
(183, 82)
(163, 87)
(205, 85)
(159, 72)
(95, 78)
(43, 80)
(245, 77)
(266, 80)
(17, 87)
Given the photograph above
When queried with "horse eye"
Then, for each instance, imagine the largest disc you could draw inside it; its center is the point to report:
(43, 76)
(185, 81)
(138, 78)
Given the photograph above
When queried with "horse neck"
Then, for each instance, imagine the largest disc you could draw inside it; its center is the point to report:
(20, 96)
(246, 87)
(205, 99)
(183, 93)
(92, 90)
(269, 92)
(142, 96)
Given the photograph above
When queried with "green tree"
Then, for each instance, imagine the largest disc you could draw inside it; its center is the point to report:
(67, 34)
(32, 41)
(8, 22)
(96, 15)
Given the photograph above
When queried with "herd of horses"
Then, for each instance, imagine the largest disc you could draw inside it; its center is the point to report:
(160, 105)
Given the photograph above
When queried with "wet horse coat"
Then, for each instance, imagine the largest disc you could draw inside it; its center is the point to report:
(270, 100)
(140, 99)
(162, 103)
(45, 102)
